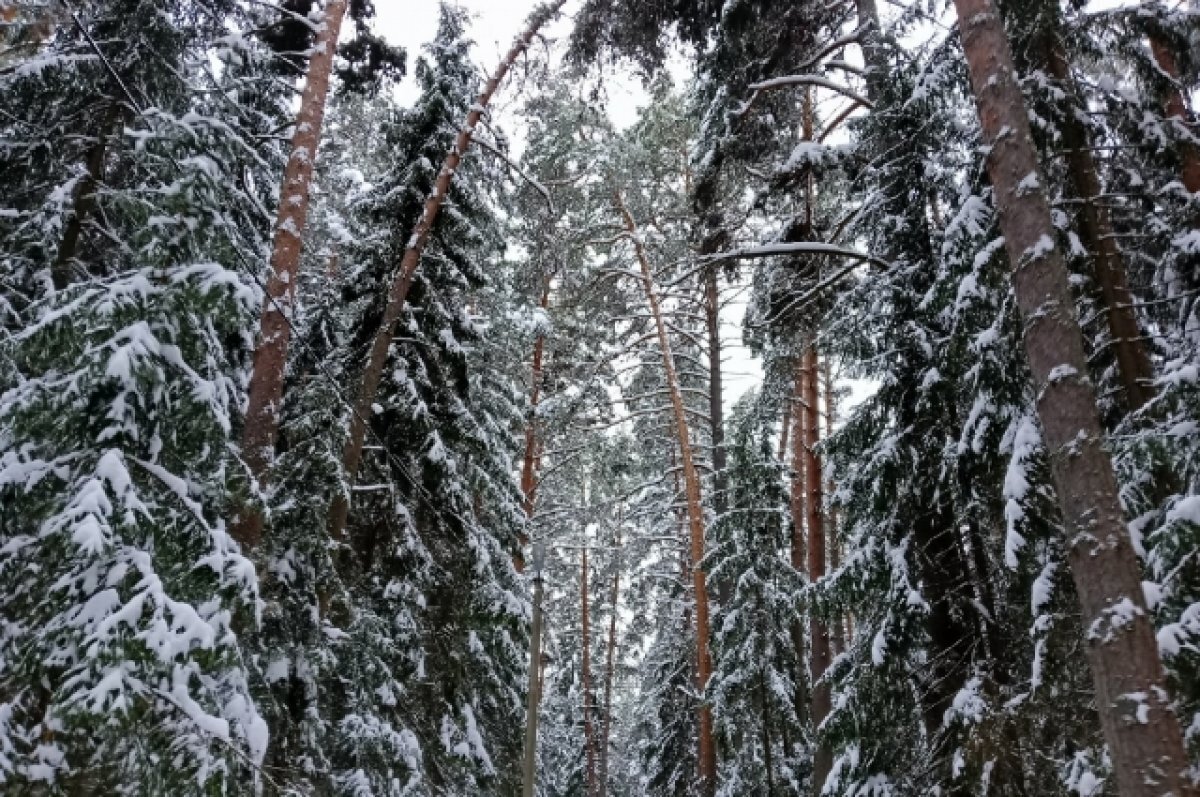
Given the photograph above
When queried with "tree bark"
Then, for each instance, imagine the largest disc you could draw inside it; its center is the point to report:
(529, 468)
(1177, 110)
(406, 271)
(529, 462)
(275, 331)
(1142, 732)
(84, 201)
(533, 698)
(716, 398)
(818, 633)
(796, 505)
(695, 510)
(589, 737)
(1097, 235)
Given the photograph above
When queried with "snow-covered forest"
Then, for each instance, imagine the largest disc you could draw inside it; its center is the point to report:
(830, 428)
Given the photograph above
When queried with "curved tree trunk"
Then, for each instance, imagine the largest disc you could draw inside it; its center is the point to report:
(1143, 734)
(275, 331)
(406, 271)
(695, 509)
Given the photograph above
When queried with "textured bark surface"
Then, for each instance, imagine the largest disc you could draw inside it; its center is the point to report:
(1143, 734)
(1177, 110)
(275, 331)
(1096, 232)
(818, 632)
(695, 509)
(406, 271)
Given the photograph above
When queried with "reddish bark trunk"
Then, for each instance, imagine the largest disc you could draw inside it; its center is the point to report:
(695, 509)
(403, 279)
(1142, 732)
(275, 332)
(1177, 109)
(814, 487)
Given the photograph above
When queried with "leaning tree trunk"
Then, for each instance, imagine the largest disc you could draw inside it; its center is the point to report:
(695, 510)
(1099, 238)
(818, 632)
(275, 331)
(1142, 732)
(403, 278)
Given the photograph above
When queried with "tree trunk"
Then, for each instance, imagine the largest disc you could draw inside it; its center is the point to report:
(818, 633)
(695, 510)
(609, 666)
(275, 331)
(529, 462)
(716, 399)
(796, 502)
(403, 278)
(1097, 235)
(1177, 110)
(1142, 732)
(533, 699)
(84, 201)
(589, 736)
(529, 468)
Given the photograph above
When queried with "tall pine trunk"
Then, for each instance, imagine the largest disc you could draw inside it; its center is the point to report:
(1142, 732)
(695, 510)
(275, 331)
(529, 466)
(403, 279)
(818, 633)
(716, 396)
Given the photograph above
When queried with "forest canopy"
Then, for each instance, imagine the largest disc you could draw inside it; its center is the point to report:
(378, 423)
